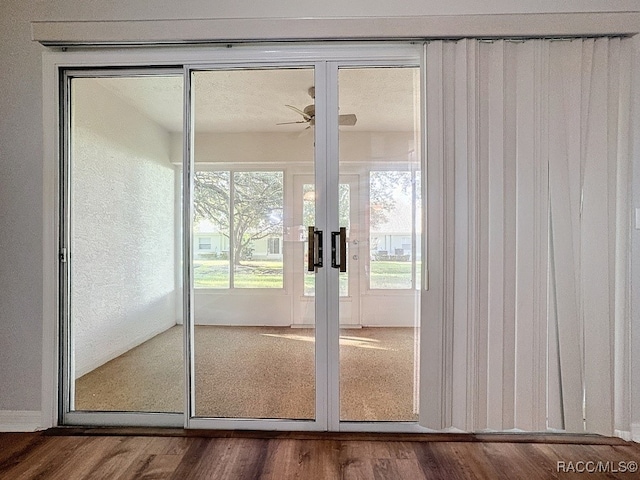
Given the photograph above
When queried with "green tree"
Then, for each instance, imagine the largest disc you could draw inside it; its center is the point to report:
(382, 185)
(309, 208)
(381, 197)
(255, 199)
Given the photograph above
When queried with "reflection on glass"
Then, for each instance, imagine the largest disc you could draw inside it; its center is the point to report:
(379, 358)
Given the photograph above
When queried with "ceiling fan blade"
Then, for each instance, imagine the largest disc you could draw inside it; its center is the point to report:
(348, 120)
(297, 110)
(291, 123)
(304, 132)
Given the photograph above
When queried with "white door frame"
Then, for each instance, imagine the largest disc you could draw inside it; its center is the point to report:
(326, 59)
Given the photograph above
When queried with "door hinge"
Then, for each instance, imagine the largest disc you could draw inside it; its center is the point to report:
(63, 255)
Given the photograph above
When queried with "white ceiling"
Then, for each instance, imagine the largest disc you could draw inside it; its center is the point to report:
(383, 99)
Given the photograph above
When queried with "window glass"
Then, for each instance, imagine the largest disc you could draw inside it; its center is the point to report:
(391, 228)
(257, 215)
(243, 212)
(211, 200)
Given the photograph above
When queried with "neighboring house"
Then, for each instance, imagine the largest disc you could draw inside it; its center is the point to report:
(209, 242)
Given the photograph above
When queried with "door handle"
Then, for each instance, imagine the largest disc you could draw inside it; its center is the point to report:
(343, 249)
(314, 254)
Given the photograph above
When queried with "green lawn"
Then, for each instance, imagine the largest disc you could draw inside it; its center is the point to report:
(249, 274)
(268, 274)
(310, 286)
(389, 275)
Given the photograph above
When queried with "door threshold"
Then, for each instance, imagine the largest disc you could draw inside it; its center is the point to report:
(492, 437)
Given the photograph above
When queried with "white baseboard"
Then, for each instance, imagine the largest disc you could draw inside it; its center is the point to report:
(623, 434)
(20, 420)
(635, 432)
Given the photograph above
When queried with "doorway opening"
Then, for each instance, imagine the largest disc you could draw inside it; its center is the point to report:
(255, 337)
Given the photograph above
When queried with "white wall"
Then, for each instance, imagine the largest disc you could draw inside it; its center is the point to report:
(123, 220)
(126, 10)
(21, 153)
(635, 252)
(273, 147)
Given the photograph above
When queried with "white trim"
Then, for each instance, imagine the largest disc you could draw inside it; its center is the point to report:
(387, 427)
(20, 420)
(125, 419)
(331, 195)
(137, 32)
(623, 434)
(635, 432)
(190, 58)
(256, 424)
(50, 214)
(198, 57)
(622, 344)
(188, 293)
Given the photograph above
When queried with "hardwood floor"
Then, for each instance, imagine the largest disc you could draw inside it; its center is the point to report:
(86, 454)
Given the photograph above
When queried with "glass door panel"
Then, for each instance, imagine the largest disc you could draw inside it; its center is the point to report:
(123, 343)
(308, 208)
(253, 131)
(378, 361)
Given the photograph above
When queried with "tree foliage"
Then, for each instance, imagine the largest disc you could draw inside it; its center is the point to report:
(382, 187)
(256, 201)
(382, 190)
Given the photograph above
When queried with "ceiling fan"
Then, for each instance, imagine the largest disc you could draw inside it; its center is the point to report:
(308, 114)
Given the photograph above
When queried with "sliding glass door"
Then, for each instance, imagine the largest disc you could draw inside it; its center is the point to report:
(306, 246)
(253, 131)
(378, 354)
(242, 242)
(121, 251)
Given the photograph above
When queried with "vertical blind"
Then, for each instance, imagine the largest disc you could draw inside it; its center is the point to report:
(525, 317)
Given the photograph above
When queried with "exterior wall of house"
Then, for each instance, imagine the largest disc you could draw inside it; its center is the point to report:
(21, 150)
(210, 244)
(216, 245)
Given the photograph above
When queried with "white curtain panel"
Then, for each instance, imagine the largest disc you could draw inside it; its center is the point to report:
(525, 316)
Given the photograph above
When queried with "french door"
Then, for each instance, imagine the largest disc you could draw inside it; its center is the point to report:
(289, 233)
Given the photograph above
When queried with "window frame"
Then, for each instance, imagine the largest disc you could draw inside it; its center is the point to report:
(232, 169)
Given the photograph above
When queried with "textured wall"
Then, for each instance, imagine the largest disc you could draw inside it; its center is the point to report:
(122, 247)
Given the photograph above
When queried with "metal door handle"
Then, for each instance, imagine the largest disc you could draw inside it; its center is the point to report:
(343, 249)
(314, 253)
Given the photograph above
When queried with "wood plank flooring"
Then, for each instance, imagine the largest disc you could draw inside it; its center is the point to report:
(84, 454)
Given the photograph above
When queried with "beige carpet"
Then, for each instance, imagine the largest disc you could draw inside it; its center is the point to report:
(257, 372)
